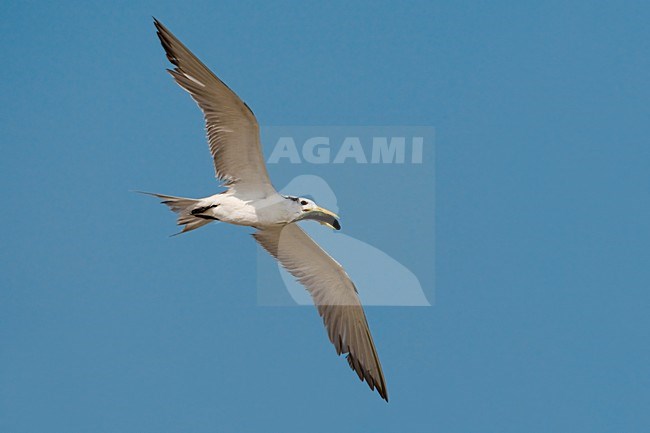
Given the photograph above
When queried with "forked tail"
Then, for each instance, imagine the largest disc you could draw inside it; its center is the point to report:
(186, 208)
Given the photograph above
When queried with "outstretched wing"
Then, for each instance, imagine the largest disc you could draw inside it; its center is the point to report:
(233, 132)
(334, 295)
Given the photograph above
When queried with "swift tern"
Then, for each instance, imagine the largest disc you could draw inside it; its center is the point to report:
(251, 200)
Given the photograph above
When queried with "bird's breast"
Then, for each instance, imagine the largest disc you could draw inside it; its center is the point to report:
(258, 213)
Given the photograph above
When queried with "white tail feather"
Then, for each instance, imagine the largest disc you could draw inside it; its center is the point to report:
(183, 207)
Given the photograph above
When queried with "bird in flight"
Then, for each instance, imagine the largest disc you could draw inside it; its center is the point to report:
(251, 200)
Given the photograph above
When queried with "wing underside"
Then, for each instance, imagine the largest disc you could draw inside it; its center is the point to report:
(334, 295)
(232, 130)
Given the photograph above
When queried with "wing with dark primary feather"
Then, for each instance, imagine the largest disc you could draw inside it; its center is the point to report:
(335, 297)
(233, 132)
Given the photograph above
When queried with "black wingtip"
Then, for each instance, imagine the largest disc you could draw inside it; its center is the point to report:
(166, 42)
(373, 384)
(157, 24)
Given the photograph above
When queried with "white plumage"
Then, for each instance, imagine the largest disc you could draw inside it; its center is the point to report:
(251, 200)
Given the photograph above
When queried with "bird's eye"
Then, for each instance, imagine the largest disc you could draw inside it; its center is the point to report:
(304, 203)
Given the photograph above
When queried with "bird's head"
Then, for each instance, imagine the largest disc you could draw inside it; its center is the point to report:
(305, 209)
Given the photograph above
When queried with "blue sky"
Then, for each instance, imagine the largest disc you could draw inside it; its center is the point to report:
(540, 321)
